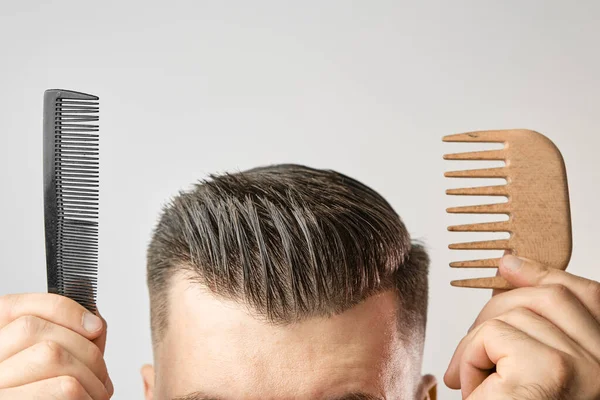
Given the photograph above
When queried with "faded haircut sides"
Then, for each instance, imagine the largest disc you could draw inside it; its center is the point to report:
(289, 241)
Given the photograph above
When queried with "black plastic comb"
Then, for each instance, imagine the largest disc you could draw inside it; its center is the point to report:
(71, 190)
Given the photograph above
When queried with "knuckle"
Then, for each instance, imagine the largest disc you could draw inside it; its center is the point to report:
(6, 306)
(71, 388)
(594, 292)
(536, 391)
(95, 355)
(96, 360)
(31, 325)
(58, 303)
(517, 315)
(562, 371)
(498, 327)
(62, 304)
(492, 324)
(53, 354)
(520, 312)
(558, 293)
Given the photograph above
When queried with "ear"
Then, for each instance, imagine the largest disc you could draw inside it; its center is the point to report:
(427, 388)
(148, 377)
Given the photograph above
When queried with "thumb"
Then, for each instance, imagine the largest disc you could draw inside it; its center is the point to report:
(496, 292)
(490, 389)
(520, 271)
(100, 341)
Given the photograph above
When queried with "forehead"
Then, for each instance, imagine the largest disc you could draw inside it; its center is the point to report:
(218, 347)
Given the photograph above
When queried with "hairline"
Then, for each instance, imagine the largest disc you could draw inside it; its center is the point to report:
(162, 271)
(186, 273)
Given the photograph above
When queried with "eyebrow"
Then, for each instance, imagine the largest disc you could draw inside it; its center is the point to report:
(356, 396)
(197, 396)
(347, 396)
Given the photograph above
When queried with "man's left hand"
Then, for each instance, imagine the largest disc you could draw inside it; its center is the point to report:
(538, 341)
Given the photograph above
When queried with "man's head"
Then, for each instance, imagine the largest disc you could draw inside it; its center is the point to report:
(285, 282)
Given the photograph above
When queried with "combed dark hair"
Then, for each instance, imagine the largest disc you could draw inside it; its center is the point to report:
(291, 242)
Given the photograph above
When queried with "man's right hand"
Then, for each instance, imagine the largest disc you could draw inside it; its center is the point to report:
(51, 348)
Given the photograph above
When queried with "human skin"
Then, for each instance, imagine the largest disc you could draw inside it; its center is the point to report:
(539, 341)
(51, 348)
(218, 348)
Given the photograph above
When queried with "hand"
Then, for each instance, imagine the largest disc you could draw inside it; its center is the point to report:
(52, 348)
(539, 341)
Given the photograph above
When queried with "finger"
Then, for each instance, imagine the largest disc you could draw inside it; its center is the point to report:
(452, 376)
(523, 272)
(515, 355)
(490, 389)
(535, 326)
(100, 341)
(555, 303)
(27, 331)
(58, 309)
(47, 360)
(496, 292)
(61, 388)
(542, 330)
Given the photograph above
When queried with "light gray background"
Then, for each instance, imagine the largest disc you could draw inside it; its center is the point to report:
(367, 88)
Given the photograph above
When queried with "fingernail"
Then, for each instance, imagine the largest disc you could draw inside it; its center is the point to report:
(511, 262)
(91, 323)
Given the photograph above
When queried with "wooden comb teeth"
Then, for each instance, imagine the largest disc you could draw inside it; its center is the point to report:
(539, 219)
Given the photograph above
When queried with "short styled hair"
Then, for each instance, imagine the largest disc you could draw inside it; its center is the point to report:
(289, 241)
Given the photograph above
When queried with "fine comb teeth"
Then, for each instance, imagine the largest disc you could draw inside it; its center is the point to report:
(71, 173)
(538, 202)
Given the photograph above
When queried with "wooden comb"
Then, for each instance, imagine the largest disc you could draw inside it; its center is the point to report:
(539, 217)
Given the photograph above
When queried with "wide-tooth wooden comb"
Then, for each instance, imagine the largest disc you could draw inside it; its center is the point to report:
(538, 202)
